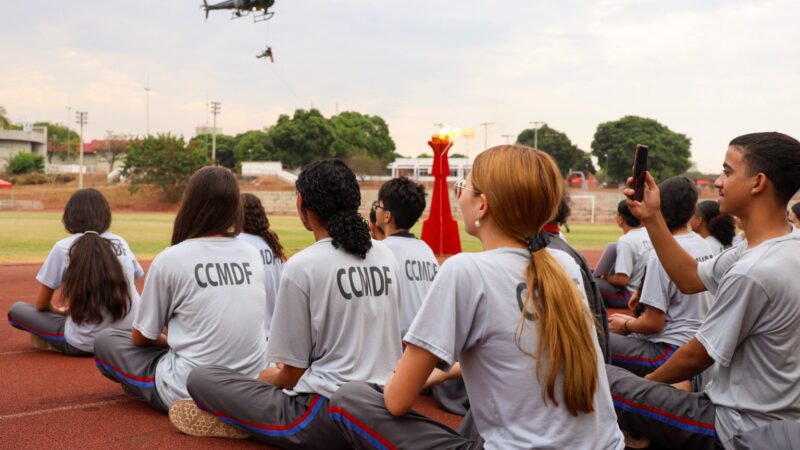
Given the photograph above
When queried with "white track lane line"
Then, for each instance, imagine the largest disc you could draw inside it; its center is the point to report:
(64, 408)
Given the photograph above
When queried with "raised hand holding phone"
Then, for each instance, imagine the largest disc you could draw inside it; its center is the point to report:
(644, 198)
(639, 169)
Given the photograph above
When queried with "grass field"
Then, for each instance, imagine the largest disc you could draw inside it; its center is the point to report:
(27, 237)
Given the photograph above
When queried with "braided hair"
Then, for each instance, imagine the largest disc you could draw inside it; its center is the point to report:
(256, 222)
(329, 188)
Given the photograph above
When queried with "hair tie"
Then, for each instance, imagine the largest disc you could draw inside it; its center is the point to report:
(91, 232)
(536, 243)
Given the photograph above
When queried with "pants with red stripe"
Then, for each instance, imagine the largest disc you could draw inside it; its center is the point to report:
(669, 417)
(264, 411)
(130, 365)
(359, 411)
(613, 296)
(45, 324)
(638, 355)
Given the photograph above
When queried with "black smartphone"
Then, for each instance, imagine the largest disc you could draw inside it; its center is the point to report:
(639, 169)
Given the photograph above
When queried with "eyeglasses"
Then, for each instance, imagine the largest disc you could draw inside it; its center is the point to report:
(376, 205)
(461, 185)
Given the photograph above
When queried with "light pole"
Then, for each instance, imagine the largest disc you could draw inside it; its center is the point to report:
(81, 118)
(508, 138)
(485, 126)
(69, 115)
(536, 125)
(215, 109)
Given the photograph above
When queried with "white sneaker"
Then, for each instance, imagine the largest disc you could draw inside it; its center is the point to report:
(191, 420)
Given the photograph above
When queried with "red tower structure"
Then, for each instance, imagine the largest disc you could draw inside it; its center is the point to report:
(439, 230)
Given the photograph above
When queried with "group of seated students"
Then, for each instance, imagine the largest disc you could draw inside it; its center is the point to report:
(332, 347)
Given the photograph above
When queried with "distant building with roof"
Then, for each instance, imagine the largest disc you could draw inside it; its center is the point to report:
(27, 140)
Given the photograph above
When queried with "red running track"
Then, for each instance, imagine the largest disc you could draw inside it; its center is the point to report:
(53, 401)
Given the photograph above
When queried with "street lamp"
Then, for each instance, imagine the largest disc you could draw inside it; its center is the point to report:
(215, 110)
(81, 119)
(536, 125)
(508, 138)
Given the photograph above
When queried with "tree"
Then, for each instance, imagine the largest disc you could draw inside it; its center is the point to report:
(115, 148)
(360, 134)
(25, 162)
(614, 144)
(5, 122)
(456, 155)
(424, 155)
(58, 136)
(302, 138)
(363, 165)
(556, 143)
(254, 146)
(163, 160)
(225, 148)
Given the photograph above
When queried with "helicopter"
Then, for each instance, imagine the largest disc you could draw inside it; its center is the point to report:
(258, 8)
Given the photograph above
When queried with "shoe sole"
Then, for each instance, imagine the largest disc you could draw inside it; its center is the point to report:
(191, 420)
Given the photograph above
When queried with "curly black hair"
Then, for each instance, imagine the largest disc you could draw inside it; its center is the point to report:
(564, 210)
(405, 199)
(678, 200)
(329, 189)
(721, 226)
(256, 222)
(796, 209)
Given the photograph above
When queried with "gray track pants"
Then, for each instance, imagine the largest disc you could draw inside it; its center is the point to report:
(131, 365)
(359, 411)
(451, 396)
(667, 416)
(45, 324)
(265, 411)
(639, 356)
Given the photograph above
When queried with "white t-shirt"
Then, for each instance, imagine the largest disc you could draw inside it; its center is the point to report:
(716, 245)
(683, 313)
(273, 267)
(210, 293)
(751, 332)
(52, 273)
(418, 267)
(633, 253)
(337, 316)
(472, 314)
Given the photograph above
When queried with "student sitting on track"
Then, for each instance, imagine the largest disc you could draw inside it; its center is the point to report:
(336, 320)
(399, 206)
(633, 252)
(750, 332)
(207, 289)
(511, 315)
(95, 269)
(256, 232)
(717, 229)
(670, 318)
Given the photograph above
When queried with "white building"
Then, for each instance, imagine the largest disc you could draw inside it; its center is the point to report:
(420, 168)
(30, 140)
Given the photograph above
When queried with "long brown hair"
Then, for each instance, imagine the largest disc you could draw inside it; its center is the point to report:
(94, 282)
(256, 222)
(210, 206)
(524, 187)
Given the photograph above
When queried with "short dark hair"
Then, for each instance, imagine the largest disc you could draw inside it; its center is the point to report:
(87, 210)
(777, 156)
(564, 209)
(627, 215)
(678, 200)
(796, 209)
(721, 226)
(210, 206)
(405, 199)
(330, 189)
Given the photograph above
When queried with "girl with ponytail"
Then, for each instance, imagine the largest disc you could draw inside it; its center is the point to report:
(515, 318)
(256, 232)
(716, 228)
(336, 320)
(95, 270)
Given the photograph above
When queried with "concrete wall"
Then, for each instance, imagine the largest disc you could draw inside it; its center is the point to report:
(15, 141)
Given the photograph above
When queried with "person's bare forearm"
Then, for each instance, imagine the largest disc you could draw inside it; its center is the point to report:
(679, 265)
(688, 361)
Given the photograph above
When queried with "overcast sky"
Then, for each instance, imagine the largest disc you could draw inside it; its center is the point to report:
(709, 69)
